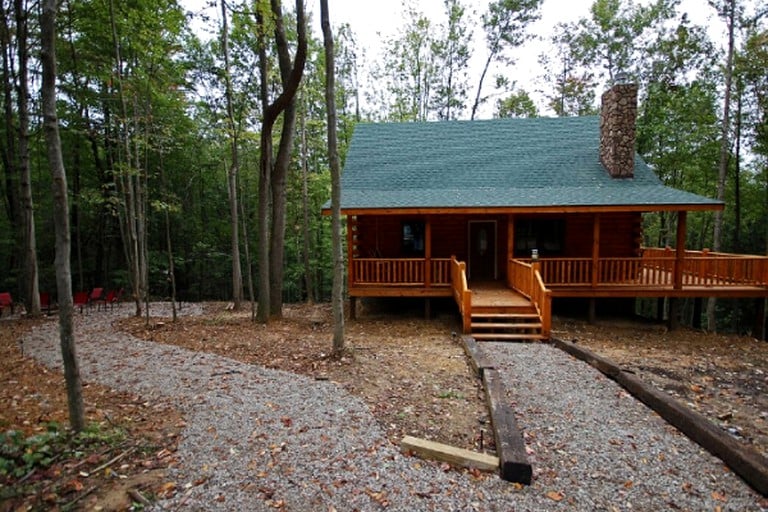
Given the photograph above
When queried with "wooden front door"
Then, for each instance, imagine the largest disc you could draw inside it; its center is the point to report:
(482, 250)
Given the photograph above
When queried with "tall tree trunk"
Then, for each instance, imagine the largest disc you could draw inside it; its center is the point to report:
(142, 188)
(480, 82)
(249, 267)
(128, 184)
(265, 168)
(83, 112)
(283, 157)
(308, 271)
(234, 168)
(8, 150)
(737, 173)
(278, 184)
(61, 216)
(291, 78)
(29, 244)
(333, 157)
(724, 152)
(168, 241)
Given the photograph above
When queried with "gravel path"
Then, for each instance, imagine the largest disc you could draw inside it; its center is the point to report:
(259, 439)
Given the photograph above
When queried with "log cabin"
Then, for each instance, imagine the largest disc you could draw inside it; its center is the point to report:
(504, 215)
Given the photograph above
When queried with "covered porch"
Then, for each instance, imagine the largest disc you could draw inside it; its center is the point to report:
(650, 272)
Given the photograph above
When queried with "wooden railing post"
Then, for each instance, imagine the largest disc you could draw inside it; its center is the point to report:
(428, 253)
(351, 250)
(467, 300)
(546, 315)
(682, 216)
(595, 250)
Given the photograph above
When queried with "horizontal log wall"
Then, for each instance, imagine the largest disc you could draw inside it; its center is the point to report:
(380, 236)
(620, 235)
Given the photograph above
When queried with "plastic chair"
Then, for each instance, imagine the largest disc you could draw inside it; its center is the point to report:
(80, 300)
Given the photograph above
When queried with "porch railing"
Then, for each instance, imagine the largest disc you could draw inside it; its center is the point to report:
(402, 271)
(461, 292)
(707, 268)
(527, 279)
(657, 268)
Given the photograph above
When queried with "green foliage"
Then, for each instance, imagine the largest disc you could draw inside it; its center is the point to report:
(572, 85)
(452, 53)
(21, 455)
(517, 104)
(505, 23)
(617, 33)
(423, 74)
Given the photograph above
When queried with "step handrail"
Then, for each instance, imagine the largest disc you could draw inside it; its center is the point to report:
(461, 293)
(526, 279)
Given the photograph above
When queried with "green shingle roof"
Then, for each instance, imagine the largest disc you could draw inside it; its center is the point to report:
(539, 162)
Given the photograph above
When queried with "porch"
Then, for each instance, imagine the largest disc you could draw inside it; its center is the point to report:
(520, 307)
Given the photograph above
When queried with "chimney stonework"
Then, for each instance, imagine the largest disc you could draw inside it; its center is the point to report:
(617, 130)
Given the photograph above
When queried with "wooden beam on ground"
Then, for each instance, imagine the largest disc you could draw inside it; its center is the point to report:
(748, 464)
(478, 359)
(510, 447)
(450, 454)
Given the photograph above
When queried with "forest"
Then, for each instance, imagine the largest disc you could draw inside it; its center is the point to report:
(197, 161)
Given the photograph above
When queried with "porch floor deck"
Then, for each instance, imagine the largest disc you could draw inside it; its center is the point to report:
(495, 294)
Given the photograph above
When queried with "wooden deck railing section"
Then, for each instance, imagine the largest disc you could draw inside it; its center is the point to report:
(526, 278)
(461, 293)
(707, 268)
(657, 268)
(401, 271)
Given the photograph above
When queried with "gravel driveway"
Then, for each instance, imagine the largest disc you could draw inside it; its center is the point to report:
(260, 439)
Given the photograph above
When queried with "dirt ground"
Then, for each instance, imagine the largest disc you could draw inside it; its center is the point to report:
(412, 373)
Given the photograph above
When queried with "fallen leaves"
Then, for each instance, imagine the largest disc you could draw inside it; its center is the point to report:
(555, 495)
(379, 497)
(167, 490)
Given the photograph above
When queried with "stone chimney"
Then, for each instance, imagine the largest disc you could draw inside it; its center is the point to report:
(617, 128)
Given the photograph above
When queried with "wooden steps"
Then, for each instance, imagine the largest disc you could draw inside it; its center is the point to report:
(514, 325)
(502, 314)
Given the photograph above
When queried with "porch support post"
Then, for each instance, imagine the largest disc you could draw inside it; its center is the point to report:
(350, 251)
(592, 306)
(510, 246)
(682, 216)
(595, 249)
(351, 265)
(428, 252)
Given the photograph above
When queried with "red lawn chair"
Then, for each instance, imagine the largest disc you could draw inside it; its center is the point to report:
(6, 301)
(45, 302)
(113, 297)
(80, 300)
(117, 297)
(110, 299)
(97, 296)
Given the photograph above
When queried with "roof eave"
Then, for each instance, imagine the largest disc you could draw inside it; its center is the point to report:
(493, 210)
